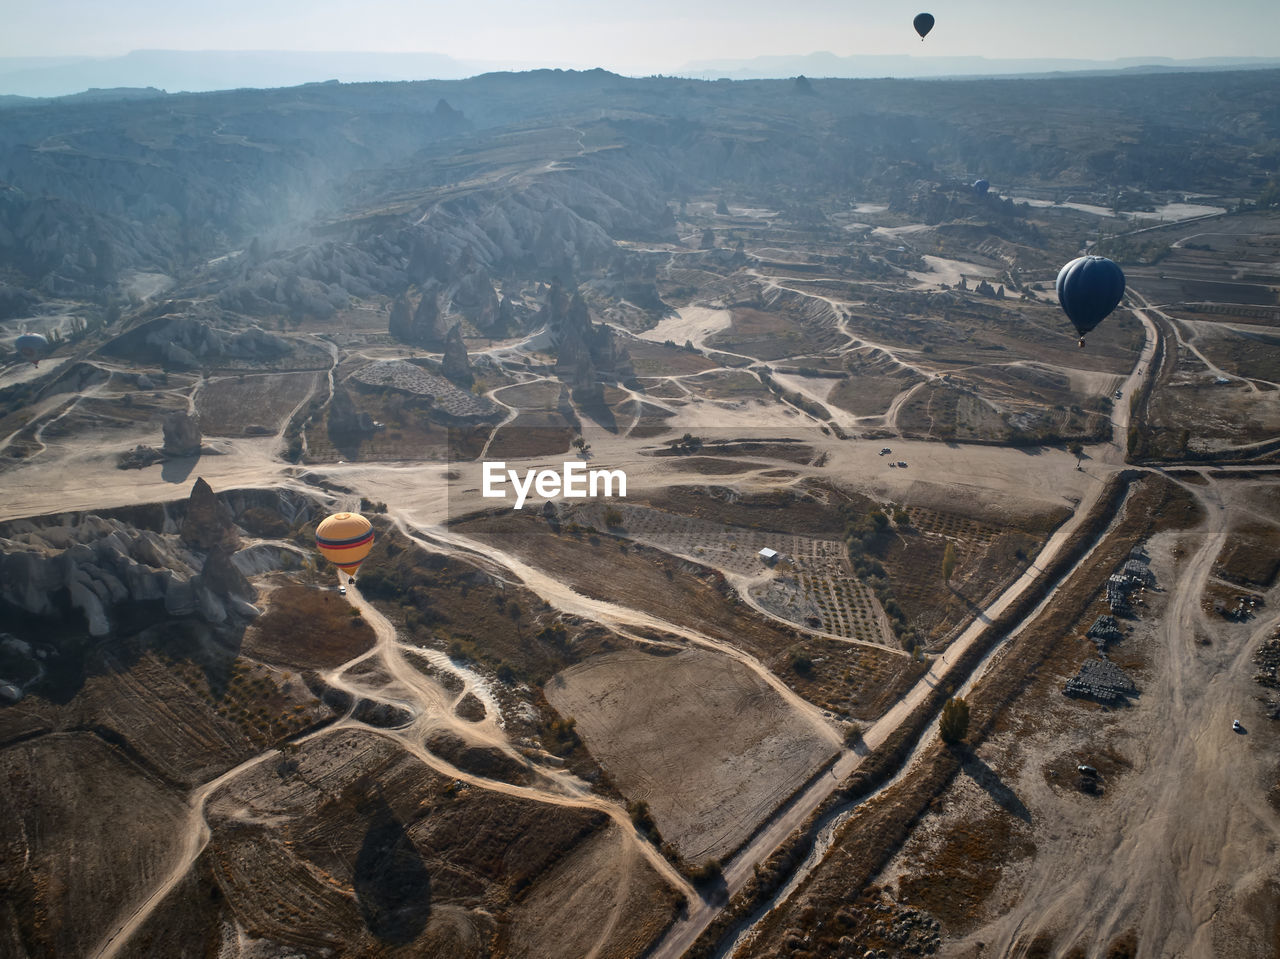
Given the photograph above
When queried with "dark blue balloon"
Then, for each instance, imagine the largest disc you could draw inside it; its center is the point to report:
(981, 187)
(32, 347)
(923, 24)
(1089, 288)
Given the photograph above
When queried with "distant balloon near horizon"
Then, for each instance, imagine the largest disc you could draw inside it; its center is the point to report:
(32, 347)
(923, 24)
(1089, 288)
(981, 187)
(344, 539)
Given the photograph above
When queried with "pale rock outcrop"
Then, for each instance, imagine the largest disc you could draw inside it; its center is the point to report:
(182, 436)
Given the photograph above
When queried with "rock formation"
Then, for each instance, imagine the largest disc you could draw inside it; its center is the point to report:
(586, 354)
(208, 523)
(400, 326)
(474, 297)
(457, 364)
(182, 435)
(425, 326)
(97, 565)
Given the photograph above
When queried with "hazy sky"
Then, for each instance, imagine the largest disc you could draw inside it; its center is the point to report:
(643, 36)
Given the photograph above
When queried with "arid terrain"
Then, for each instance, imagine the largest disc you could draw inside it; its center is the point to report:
(612, 726)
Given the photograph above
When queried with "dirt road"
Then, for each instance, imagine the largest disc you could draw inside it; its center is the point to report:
(1180, 850)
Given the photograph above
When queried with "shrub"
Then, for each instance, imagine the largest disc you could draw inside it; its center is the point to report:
(953, 724)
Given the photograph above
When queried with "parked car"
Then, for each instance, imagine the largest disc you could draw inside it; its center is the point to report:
(342, 591)
(1087, 771)
(1236, 727)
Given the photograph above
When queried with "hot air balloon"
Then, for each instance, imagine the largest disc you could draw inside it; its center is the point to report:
(923, 24)
(32, 347)
(981, 187)
(1089, 288)
(345, 539)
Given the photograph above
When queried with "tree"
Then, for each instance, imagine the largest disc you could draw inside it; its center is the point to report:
(948, 562)
(953, 725)
(708, 240)
(1076, 450)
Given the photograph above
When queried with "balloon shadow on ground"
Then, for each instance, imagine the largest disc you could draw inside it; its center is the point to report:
(990, 781)
(391, 881)
(177, 470)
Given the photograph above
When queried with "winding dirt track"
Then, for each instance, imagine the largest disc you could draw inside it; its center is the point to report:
(432, 707)
(686, 930)
(1174, 904)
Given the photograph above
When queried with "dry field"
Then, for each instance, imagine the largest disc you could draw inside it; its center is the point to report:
(1251, 556)
(660, 360)
(726, 386)
(410, 434)
(990, 553)
(765, 336)
(634, 576)
(871, 387)
(62, 883)
(183, 703)
(844, 679)
(698, 736)
(815, 586)
(352, 843)
(307, 628)
(689, 595)
(249, 405)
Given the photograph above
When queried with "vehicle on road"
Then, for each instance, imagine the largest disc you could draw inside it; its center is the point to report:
(342, 591)
(902, 464)
(885, 451)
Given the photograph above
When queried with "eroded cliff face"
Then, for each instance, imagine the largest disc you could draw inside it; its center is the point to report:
(193, 559)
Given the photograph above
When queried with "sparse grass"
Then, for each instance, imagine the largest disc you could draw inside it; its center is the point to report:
(1251, 556)
(308, 628)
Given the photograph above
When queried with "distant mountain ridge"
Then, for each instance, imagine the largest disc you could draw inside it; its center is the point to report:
(204, 70)
(867, 66)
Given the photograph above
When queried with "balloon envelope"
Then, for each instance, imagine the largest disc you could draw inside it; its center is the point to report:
(1089, 288)
(32, 347)
(981, 187)
(345, 539)
(923, 24)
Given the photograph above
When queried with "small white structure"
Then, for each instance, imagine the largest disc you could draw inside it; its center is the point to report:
(769, 556)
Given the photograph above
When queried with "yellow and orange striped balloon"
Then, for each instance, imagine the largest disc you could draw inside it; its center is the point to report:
(345, 539)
